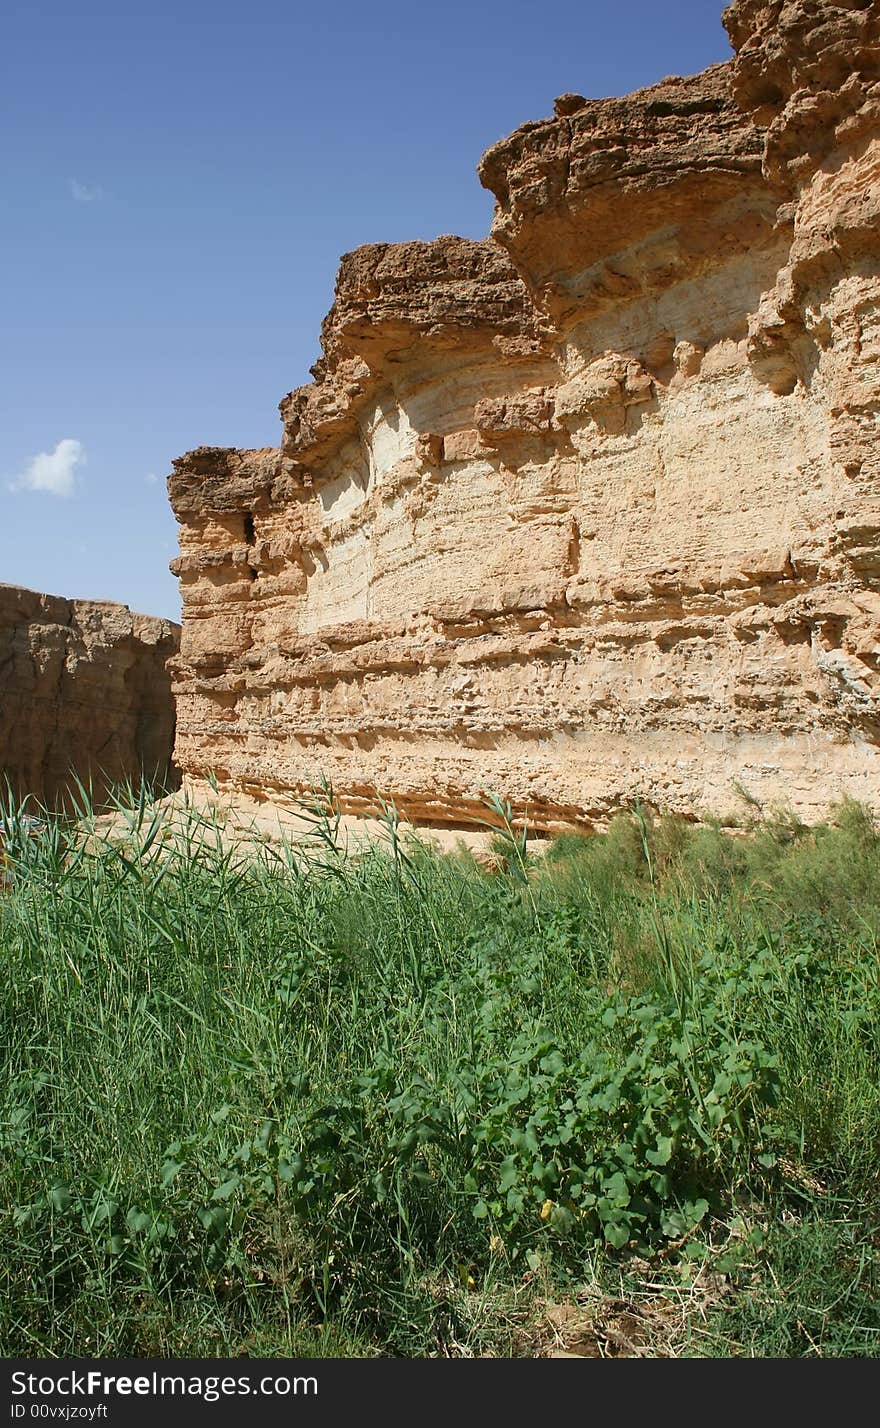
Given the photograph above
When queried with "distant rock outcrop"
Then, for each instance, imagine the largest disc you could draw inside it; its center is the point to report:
(84, 690)
(588, 510)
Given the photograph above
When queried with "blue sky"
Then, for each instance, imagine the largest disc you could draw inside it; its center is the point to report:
(179, 182)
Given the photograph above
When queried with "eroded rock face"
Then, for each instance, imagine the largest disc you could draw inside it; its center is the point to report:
(83, 688)
(584, 511)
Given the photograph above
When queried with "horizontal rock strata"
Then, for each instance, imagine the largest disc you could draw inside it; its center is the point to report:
(585, 511)
(84, 691)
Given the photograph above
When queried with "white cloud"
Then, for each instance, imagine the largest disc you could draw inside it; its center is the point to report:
(86, 193)
(53, 471)
(151, 478)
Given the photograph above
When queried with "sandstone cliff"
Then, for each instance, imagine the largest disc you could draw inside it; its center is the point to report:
(83, 688)
(585, 511)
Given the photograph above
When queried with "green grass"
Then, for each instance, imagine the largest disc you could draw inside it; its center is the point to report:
(302, 1103)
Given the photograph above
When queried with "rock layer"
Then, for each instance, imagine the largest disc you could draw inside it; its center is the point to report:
(585, 511)
(83, 690)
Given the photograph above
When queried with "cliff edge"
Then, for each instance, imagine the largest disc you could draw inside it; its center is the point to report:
(586, 511)
(84, 692)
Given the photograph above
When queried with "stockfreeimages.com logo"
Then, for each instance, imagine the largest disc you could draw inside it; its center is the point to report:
(95, 1384)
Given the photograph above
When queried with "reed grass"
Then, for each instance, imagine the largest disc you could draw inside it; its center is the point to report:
(287, 1100)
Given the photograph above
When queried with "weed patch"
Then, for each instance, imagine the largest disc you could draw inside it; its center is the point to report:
(289, 1101)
